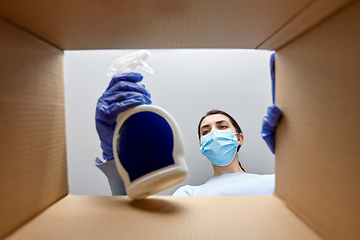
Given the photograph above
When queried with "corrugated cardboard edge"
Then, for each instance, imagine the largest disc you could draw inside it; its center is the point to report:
(309, 16)
(32, 127)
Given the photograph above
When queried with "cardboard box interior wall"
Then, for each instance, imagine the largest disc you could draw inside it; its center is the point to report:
(317, 88)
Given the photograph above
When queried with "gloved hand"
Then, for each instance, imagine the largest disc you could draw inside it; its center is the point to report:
(272, 118)
(122, 93)
(270, 123)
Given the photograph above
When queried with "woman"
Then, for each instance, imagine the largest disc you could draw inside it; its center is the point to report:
(217, 131)
(220, 140)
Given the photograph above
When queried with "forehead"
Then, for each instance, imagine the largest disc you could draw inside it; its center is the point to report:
(212, 119)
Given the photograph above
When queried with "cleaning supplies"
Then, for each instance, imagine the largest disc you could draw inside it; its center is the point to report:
(148, 146)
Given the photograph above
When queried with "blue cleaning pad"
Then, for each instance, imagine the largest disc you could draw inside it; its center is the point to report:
(144, 144)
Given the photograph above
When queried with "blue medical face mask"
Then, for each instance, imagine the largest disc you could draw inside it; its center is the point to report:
(219, 146)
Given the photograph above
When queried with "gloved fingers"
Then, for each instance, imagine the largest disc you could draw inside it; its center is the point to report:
(130, 77)
(124, 86)
(105, 128)
(106, 112)
(115, 97)
(273, 116)
(107, 149)
(269, 125)
(147, 93)
(118, 107)
(270, 141)
(268, 134)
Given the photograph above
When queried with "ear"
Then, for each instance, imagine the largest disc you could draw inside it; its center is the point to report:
(240, 138)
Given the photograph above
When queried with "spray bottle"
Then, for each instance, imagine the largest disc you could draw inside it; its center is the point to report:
(147, 144)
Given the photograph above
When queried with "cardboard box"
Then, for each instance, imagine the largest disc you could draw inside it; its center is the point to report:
(317, 191)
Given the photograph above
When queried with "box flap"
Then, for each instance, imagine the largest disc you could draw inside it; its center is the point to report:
(317, 141)
(95, 217)
(310, 15)
(32, 127)
(109, 24)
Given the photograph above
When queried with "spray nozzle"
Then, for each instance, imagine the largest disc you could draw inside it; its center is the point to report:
(129, 62)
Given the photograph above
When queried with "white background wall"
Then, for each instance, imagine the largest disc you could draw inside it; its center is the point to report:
(187, 84)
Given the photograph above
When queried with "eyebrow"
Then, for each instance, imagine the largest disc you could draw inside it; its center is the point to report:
(218, 122)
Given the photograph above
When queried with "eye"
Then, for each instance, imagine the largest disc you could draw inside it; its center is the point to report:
(223, 127)
(205, 132)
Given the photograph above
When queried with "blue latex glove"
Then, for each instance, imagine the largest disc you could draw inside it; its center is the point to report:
(272, 118)
(272, 73)
(270, 123)
(122, 93)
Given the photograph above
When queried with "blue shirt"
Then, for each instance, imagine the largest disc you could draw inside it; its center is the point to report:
(231, 184)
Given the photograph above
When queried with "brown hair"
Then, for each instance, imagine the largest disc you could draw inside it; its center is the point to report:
(232, 120)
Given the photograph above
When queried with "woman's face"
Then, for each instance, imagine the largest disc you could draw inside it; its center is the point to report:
(219, 122)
